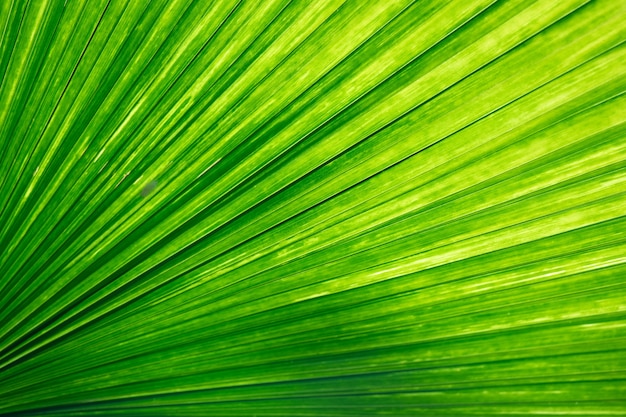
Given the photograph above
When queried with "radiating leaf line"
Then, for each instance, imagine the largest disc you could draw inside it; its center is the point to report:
(287, 208)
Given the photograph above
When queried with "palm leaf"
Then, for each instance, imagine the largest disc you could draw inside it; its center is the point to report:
(292, 208)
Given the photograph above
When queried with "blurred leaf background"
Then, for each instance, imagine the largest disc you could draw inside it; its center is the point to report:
(327, 208)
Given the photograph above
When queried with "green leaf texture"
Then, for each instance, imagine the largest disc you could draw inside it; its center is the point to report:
(312, 208)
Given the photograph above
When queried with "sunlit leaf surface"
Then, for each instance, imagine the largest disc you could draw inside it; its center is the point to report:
(312, 208)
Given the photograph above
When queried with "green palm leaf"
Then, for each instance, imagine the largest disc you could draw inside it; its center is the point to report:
(293, 208)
